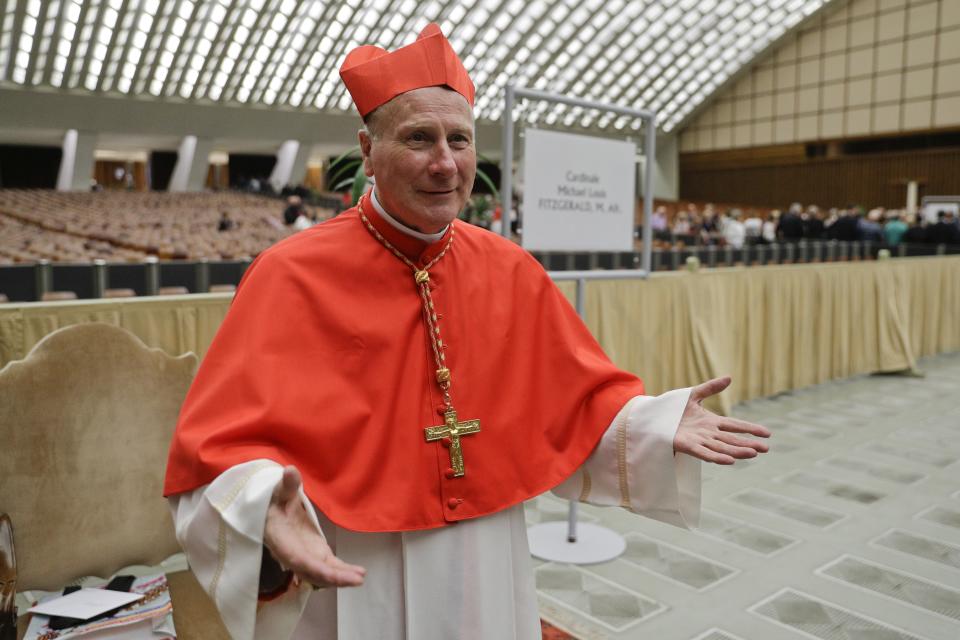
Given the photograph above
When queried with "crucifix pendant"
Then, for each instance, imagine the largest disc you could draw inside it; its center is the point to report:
(454, 431)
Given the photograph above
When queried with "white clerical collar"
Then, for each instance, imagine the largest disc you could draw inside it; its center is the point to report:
(396, 224)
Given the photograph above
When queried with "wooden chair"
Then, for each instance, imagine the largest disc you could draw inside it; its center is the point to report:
(85, 423)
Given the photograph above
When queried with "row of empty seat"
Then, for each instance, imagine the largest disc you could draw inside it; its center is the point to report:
(128, 226)
(22, 241)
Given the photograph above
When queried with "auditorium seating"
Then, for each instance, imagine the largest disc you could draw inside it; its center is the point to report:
(128, 226)
(119, 226)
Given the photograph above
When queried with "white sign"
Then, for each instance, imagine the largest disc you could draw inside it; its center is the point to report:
(578, 192)
(931, 210)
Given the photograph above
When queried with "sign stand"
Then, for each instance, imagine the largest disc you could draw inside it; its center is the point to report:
(557, 541)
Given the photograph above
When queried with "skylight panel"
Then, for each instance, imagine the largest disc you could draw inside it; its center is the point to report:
(793, 19)
(668, 54)
(186, 9)
(6, 19)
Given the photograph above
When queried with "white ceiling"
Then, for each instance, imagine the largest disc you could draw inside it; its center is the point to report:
(668, 56)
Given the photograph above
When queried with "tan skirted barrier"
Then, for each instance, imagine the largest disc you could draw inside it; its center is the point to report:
(772, 328)
(780, 327)
(176, 324)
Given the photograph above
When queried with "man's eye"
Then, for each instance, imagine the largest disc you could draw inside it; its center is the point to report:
(419, 136)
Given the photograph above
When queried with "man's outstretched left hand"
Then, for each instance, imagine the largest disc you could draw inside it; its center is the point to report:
(712, 438)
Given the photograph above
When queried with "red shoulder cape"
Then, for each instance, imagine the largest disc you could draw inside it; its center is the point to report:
(323, 362)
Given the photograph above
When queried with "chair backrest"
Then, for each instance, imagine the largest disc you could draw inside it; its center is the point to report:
(85, 423)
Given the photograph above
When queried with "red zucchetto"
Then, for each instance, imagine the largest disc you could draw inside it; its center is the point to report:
(374, 76)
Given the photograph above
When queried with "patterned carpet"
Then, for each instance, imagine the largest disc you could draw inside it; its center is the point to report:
(848, 530)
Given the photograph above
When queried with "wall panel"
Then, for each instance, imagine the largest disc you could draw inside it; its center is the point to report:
(888, 66)
(870, 180)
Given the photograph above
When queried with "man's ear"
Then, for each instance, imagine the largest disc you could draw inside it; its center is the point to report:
(366, 144)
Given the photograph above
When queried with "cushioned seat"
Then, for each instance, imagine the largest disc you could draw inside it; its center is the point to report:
(173, 291)
(51, 296)
(119, 293)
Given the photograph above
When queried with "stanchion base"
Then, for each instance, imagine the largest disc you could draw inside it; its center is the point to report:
(548, 541)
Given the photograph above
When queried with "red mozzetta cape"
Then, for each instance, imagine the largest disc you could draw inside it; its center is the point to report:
(323, 362)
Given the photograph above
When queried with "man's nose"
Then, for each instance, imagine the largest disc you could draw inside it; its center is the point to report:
(442, 162)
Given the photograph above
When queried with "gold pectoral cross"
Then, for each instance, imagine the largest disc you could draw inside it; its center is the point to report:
(453, 430)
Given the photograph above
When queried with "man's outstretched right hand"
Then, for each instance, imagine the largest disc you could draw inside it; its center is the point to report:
(294, 542)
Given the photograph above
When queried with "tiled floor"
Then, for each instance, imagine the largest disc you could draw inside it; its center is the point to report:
(848, 530)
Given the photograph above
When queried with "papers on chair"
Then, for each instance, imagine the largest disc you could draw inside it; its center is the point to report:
(148, 617)
(86, 603)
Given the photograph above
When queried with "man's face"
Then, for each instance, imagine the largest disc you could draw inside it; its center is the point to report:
(421, 152)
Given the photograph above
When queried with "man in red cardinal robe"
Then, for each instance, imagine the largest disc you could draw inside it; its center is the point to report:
(348, 426)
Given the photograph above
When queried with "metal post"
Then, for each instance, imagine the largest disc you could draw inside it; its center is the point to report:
(99, 277)
(506, 164)
(581, 311)
(649, 144)
(43, 277)
(202, 273)
(572, 522)
(581, 298)
(152, 275)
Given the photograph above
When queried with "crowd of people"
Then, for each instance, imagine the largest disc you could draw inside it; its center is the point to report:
(129, 226)
(694, 224)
